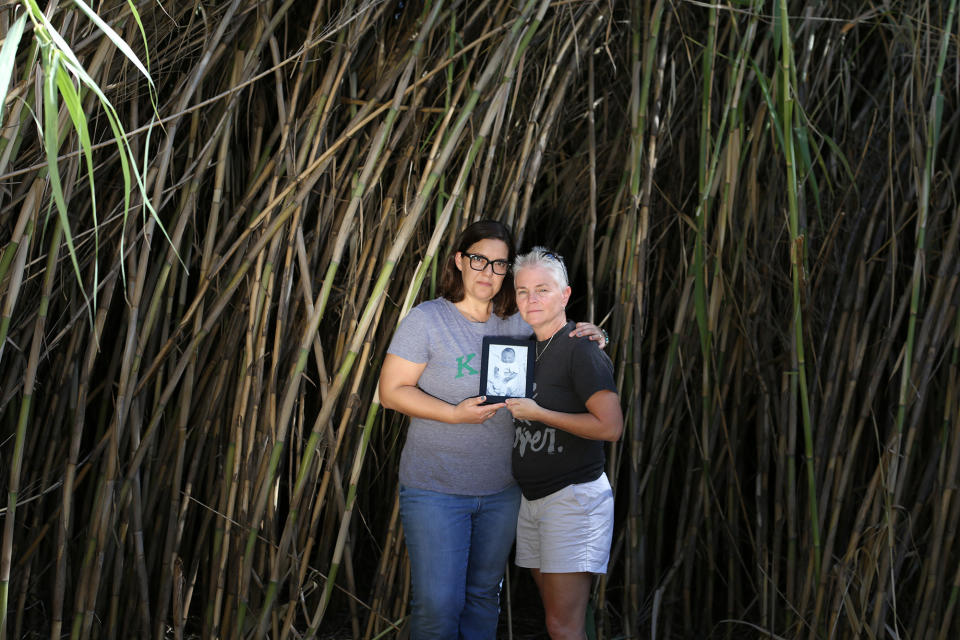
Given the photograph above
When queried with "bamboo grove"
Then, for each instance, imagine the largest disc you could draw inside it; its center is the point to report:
(213, 215)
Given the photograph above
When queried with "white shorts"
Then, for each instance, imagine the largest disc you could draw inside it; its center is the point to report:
(568, 531)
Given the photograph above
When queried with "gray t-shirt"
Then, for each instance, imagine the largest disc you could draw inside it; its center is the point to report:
(465, 459)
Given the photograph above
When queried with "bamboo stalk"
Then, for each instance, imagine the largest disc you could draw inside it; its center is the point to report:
(798, 261)
(16, 468)
(702, 297)
(15, 255)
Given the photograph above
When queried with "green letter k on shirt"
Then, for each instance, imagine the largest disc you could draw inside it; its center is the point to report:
(463, 365)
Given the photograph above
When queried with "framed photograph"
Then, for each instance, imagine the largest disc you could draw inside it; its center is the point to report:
(506, 368)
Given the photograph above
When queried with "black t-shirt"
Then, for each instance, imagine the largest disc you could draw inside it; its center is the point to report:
(546, 459)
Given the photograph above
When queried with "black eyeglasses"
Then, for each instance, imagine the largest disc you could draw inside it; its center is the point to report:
(479, 263)
(558, 258)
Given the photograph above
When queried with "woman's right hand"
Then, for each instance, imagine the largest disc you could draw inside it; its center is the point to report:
(399, 391)
(472, 411)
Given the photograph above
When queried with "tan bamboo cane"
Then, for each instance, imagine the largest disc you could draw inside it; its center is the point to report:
(15, 257)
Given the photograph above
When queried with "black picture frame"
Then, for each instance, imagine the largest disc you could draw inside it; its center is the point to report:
(500, 380)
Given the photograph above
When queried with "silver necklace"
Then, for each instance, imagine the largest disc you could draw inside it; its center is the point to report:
(540, 353)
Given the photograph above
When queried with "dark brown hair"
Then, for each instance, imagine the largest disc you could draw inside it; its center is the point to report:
(451, 280)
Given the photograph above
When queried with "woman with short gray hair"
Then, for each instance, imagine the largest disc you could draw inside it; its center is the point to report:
(565, 525)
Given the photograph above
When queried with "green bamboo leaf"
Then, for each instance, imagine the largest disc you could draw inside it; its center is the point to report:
(115, 38)
(143, 34)
(51, 144)
(71, 99)
(71, 62)
(839, 155)
(146, 52)
(8, 55)
(771, 105)
(73, 65)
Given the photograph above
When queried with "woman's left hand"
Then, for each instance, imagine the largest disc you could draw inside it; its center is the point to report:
(523, 408)
(591, 331)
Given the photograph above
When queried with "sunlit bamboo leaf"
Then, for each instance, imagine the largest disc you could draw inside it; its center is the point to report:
(71, 100)
(146, 51)
(8, 54)
(115, 38)
(51, 143)
(129, 169)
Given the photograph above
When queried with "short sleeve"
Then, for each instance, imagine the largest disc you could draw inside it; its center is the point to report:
(591, 370)
(409, 342)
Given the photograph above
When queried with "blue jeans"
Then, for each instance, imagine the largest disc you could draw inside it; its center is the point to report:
(458, 548)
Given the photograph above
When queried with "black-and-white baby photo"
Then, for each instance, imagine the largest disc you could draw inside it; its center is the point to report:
(507, 373)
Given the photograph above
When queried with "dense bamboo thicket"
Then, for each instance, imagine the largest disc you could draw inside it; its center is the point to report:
(758, 199)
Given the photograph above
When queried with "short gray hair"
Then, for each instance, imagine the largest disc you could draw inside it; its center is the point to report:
(542, 257)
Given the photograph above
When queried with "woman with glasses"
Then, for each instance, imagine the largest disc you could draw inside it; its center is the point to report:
(565, 525)
(458, 498)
